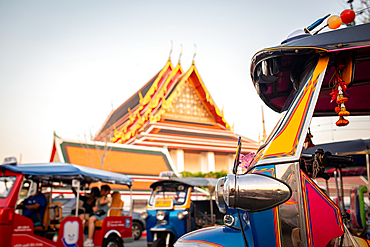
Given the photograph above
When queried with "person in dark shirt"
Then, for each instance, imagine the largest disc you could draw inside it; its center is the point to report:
(34, 207)
(89, 202)
(102, 203)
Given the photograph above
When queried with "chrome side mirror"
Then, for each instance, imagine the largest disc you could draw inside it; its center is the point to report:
(255, 192)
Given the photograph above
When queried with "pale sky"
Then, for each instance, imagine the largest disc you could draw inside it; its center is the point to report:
(64, 65)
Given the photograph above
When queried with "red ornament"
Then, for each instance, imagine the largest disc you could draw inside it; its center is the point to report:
(347, 16)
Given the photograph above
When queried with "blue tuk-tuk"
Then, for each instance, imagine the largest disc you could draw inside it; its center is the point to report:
(175, 208)
(18, 181)
(276, 202)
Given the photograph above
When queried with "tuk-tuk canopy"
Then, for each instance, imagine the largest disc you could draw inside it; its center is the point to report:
(65, 172)
(277, 71)
(190, 181)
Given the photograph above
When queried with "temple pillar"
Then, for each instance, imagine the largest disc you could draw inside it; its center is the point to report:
(230, 163)
(207, 162)
(178, 159)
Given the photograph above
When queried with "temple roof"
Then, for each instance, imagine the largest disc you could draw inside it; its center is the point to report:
(176, 110)
(131, 160)
(129, 104)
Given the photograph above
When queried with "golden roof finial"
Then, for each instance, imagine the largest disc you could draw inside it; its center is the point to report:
(195, 52)
(169, 57)
(180, 54)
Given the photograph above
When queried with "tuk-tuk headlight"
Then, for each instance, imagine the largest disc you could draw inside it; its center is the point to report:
(255, 192)
(182, 214)
(161, 215)
(144, 215)
(219, 191)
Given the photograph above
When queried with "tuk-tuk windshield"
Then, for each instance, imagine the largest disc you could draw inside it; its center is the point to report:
(6, 185)
(176, 194)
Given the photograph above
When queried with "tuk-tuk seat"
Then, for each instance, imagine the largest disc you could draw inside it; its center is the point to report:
(115, 209)
(53, 213)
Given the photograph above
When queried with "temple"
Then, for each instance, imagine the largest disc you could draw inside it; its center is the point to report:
(171, 124)
(175, 110)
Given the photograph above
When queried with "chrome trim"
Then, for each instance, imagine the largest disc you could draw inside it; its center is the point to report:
(300, 203)
(182, 215)
(219, 195)
(255, 192)
(144, 215)
(229, 217)
(112, 231)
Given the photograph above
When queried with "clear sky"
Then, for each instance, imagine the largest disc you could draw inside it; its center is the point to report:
(65, 65)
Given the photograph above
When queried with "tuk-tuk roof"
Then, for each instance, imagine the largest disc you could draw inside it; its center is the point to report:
(286, 62)
(349, 37)
(190, 181)
(66, 172)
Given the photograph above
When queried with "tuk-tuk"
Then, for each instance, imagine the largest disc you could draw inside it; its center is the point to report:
(276, 202)
(173, 209)
(19, 181)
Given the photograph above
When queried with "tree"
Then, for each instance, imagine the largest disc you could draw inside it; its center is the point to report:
(364, 11)
(219, 174)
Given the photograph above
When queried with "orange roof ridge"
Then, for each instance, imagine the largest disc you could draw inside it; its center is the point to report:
(148, 106)
(122, 113)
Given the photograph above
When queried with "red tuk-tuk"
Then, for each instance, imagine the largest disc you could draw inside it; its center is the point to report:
(18, 181)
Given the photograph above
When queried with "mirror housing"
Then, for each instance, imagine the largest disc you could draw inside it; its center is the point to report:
(255, 192)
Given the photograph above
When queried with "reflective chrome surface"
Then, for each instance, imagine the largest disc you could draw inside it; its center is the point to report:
(182, 214)
(255, 192)
(219, 192)
(289, 215)
(229, 220)
(160, 215)
(144, 215)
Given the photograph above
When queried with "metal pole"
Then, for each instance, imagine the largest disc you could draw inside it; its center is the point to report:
(211, 204)
(77, 199)
(342, 191)
(368, 169)
(337, 189)
(51, 193)
(327, 188)
(131, 202)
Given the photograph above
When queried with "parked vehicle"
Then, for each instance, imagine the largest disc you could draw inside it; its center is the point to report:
(172, 212)
(138, 223)
(20, 180)
(276, 202)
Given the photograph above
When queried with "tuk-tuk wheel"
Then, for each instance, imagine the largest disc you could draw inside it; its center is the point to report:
(112, 241)
(137, 230)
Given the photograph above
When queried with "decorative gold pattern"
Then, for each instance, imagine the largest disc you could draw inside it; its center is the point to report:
(184, 101)
(188, 103)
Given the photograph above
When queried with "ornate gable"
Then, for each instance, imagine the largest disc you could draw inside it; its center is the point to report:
(173, 95)
(188, 105)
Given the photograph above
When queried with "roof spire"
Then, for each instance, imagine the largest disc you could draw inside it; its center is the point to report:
(169, 57)
(195, 52)
(180, 54)
(263, 139)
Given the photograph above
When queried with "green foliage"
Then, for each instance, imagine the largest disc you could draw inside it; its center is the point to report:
(219, 174)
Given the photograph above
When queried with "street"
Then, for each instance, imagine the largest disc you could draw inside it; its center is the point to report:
(138, 243)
